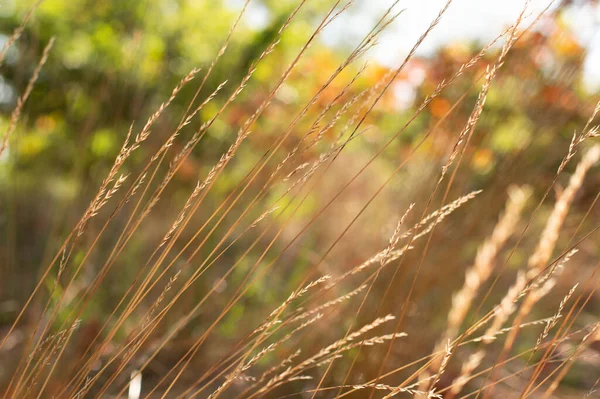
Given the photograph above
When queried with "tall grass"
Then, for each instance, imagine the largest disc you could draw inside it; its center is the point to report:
(345, 323)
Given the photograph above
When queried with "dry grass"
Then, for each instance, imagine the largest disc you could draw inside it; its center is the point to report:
(277, 354)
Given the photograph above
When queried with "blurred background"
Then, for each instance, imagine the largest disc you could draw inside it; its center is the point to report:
(114, 62)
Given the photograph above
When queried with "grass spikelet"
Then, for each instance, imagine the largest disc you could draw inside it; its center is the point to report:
(482, 267)
(550, 234)
(16, 113)
(554, 319)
